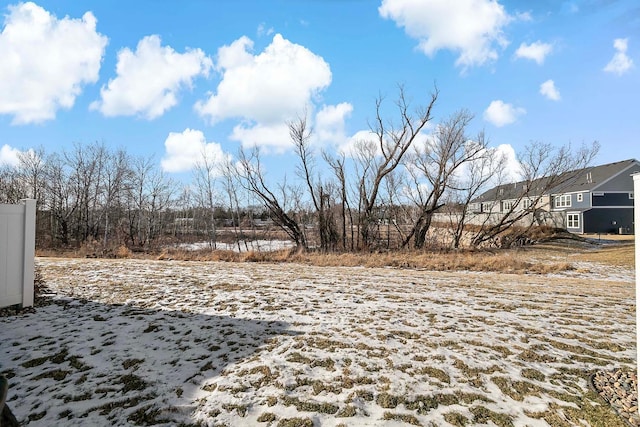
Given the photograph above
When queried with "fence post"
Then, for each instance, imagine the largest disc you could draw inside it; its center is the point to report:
(29, 252)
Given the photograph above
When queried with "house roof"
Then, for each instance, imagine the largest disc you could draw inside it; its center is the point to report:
(591, 178)
(586, 179)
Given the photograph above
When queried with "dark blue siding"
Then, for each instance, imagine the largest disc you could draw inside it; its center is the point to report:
(602, 220)
(612, 199)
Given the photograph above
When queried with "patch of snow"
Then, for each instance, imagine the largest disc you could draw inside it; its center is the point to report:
(241, 246)
(224, 343)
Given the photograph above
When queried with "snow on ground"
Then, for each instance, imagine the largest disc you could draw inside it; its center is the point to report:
(167, 342)
(241, 245)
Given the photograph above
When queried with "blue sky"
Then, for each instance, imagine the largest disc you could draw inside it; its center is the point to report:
(173, 79)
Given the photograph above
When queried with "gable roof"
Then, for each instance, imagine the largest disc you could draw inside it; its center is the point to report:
(590, 178)
(586, 179)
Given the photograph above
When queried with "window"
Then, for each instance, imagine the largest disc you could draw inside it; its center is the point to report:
(630, 195)
(507, 205)
(563, 201)
(573, 220)
(579, 197)
(526, 203)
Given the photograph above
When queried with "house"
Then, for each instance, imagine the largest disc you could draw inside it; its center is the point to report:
(596, 199)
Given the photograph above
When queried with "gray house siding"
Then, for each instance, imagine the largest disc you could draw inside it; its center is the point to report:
(608, 220)
(621, 182)
(585, 203)
(575, 204)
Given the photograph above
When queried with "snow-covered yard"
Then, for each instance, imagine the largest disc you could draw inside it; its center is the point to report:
(168, 342)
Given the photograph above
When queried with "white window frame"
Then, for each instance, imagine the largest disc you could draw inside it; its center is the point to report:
(526, 204)
(631, 196)
(507, 205)
(573, 220)
(563, 201)
(579, 197)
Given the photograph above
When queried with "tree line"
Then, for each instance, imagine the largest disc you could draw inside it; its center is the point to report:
(383, 193)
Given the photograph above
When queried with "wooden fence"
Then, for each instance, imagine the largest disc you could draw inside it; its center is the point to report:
(17, 250)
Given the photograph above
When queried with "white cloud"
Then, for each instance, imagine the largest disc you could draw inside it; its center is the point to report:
(9, 156)
(512, 171)
(265, 90)
(236, 55)
(363, 140)
(536, 51)
(271, 136)
(263, 30)
(474, 28)
(185, 149)
(549, 90)
(329, 126)
(500, 114)
(45, 61)
(149, 79)
(620, 63)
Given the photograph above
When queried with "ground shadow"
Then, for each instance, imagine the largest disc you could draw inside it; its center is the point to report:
(79, 362)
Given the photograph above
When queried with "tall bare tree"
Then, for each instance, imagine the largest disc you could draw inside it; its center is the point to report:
(252, 178)
(337, 165)
(378, 157)
(486, 169)
(300, 135)
(31, 169)
(432, 167)
(205, 173)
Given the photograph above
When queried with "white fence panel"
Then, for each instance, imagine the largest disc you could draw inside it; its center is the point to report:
(17, 251)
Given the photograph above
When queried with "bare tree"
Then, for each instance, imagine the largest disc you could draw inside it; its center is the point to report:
(149, 196)
(86, 165)
(486, 168)
(11, 188)
(543, 168)
(252, 178)
(230, 184)
(432, 167)
(60, 202)
(337, 165)
(31, 169)
(204, 173)
(320, 196)
(115, 184)
(377, 158)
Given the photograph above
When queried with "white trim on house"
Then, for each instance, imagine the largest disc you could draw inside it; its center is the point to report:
(573, 220)
(562, 201)
(612, 207)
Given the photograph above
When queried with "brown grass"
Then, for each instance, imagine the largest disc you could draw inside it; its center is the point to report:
(548, 257)
(621, 254)
(507, 261)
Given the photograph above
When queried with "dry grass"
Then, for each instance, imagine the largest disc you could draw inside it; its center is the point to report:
(543, 258)
(621, 254)
(507, 261)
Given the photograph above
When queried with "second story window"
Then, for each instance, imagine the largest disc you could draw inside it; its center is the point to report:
(563, 201)
(579, 197)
